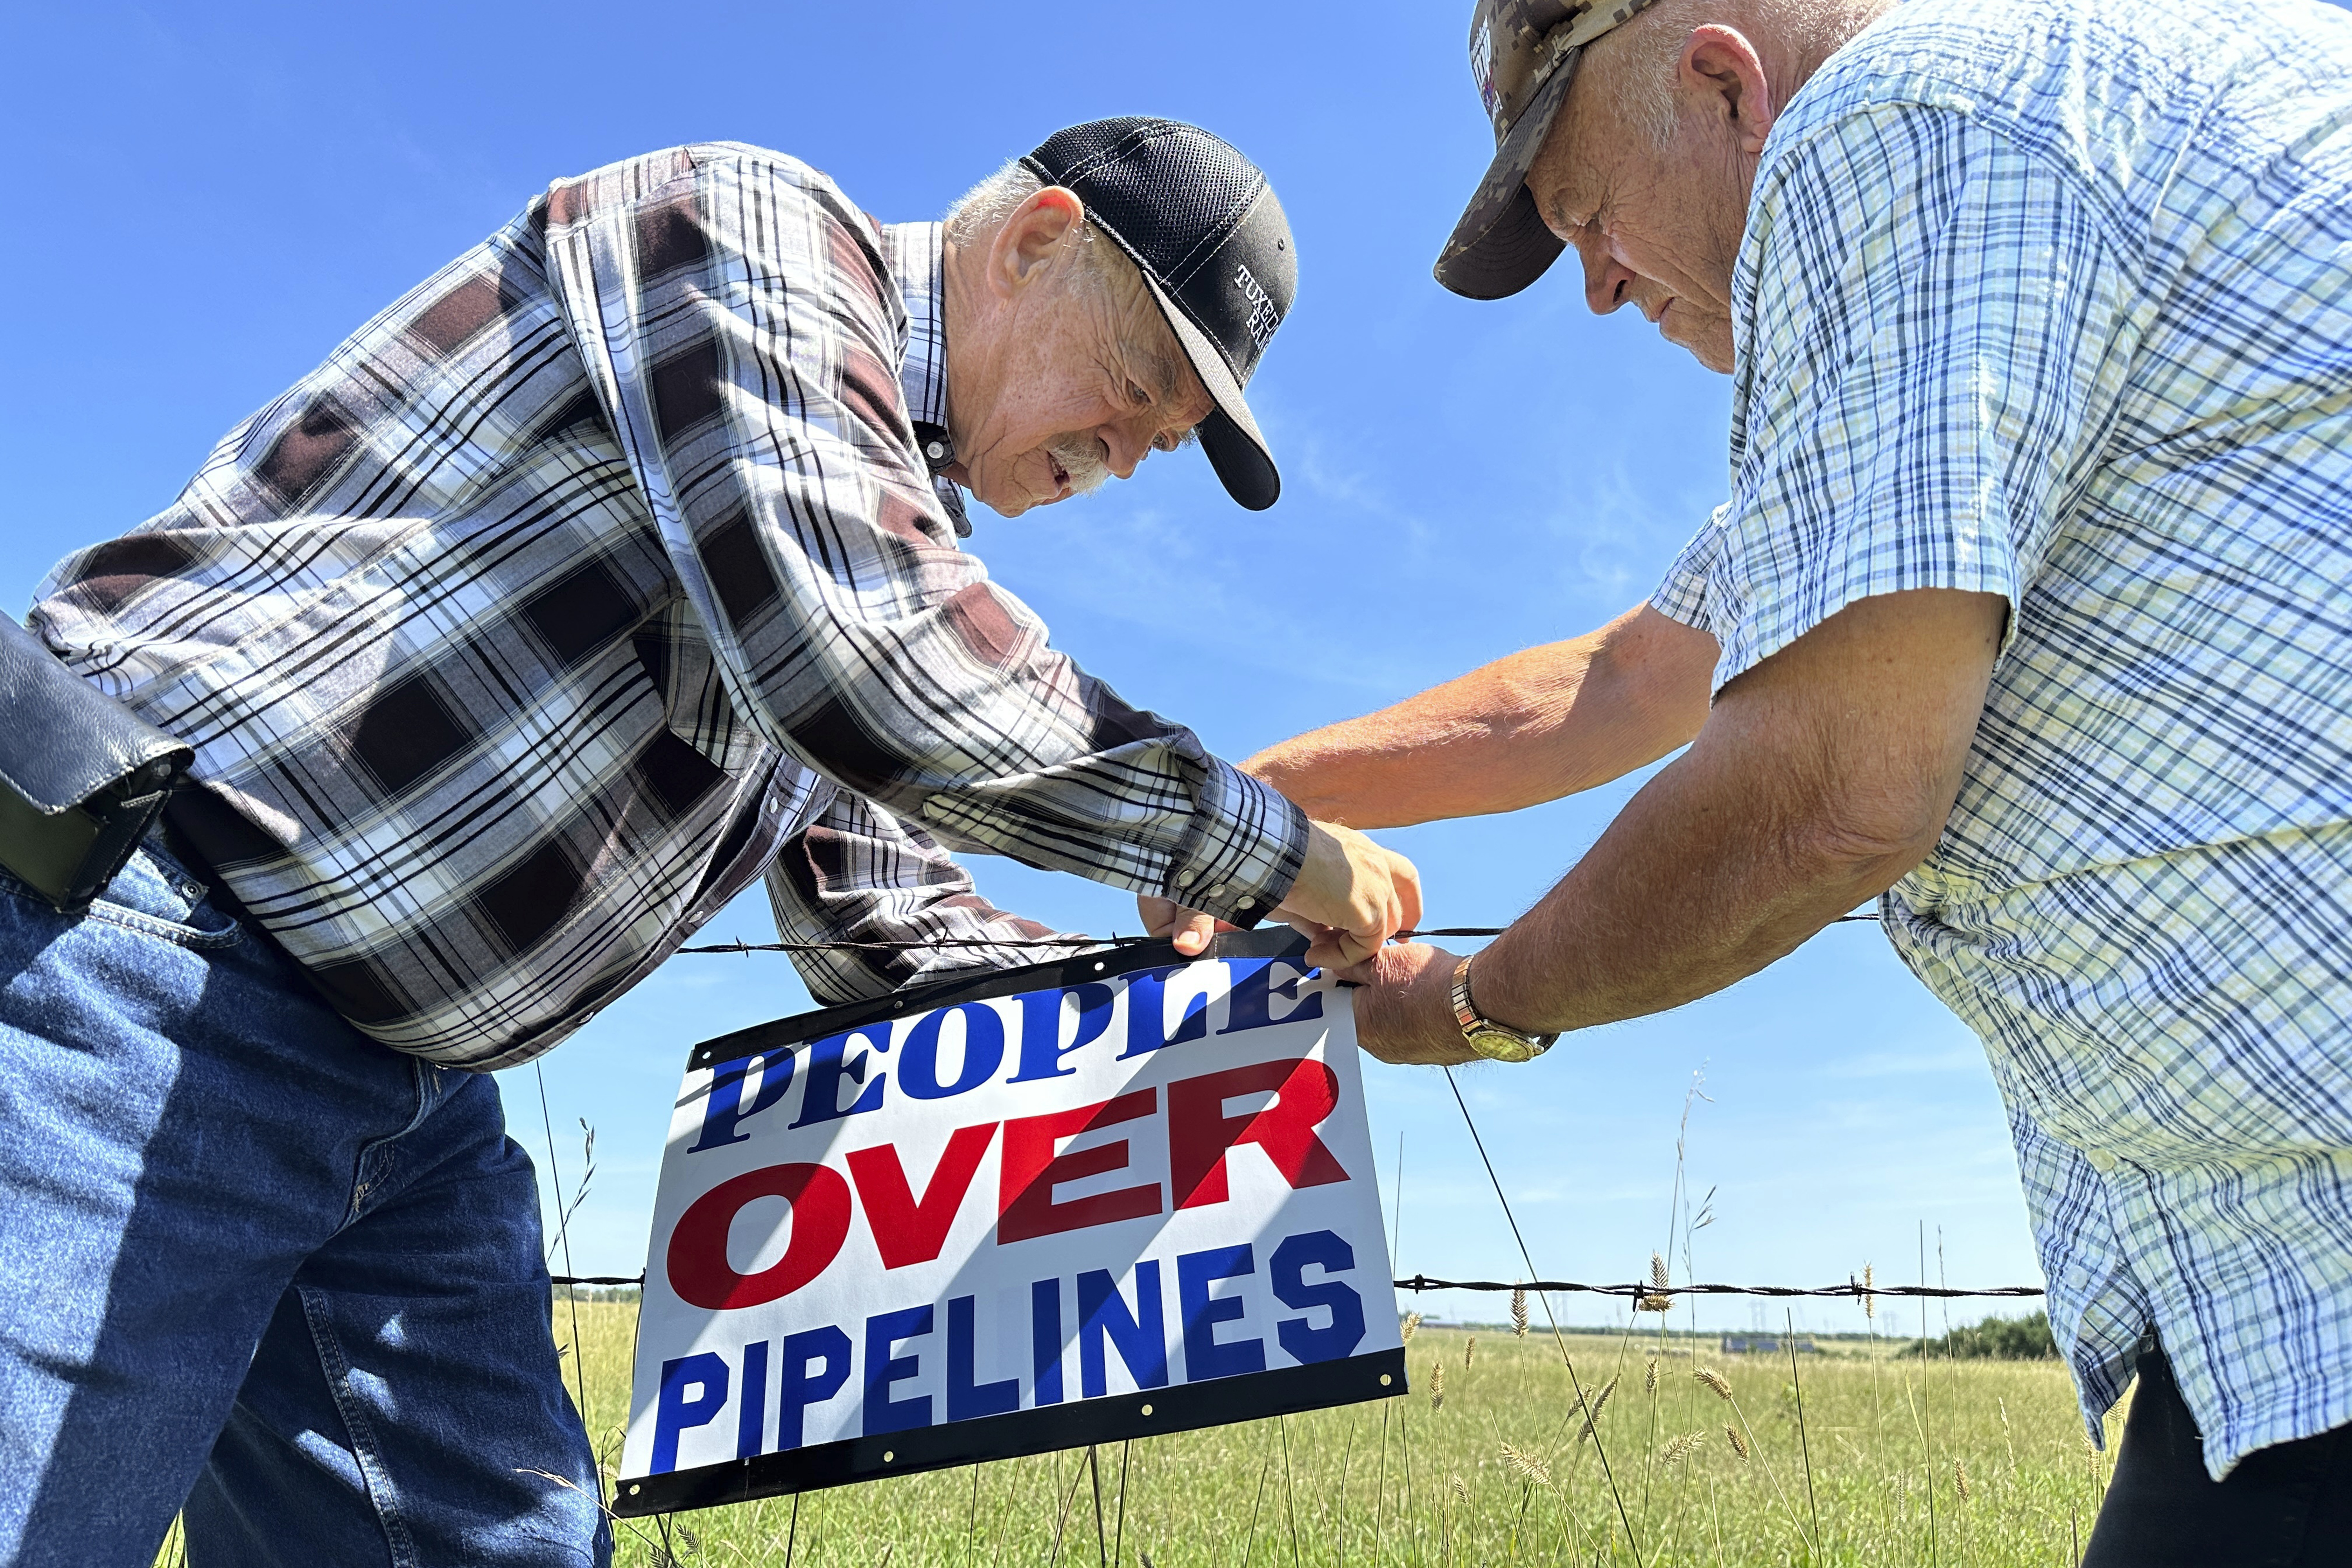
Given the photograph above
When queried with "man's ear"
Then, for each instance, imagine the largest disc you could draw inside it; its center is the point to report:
(1723, 68)
(1026, 244)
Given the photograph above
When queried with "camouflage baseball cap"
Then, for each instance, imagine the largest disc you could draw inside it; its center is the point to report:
(1523, 54)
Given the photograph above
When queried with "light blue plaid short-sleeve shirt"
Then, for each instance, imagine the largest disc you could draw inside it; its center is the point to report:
(2052, 300)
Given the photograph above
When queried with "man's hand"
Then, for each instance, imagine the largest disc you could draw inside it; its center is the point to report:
(1404, 1010)
(1351, 896)
(1190, 930)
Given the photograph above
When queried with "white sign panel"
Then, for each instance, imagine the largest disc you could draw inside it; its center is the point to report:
(1103, 1198)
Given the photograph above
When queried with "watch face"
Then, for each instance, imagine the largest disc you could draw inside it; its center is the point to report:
(1496, 1046)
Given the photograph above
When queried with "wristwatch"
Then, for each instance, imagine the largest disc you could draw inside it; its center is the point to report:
(1497, 1042)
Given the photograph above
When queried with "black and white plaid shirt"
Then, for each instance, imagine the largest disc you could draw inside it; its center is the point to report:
(597, 576)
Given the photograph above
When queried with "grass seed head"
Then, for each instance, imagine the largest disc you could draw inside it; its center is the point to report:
(1739, 1443)
(1520, 1313)
(1960, 1478)
(1654, 1304)
(1650, 1376)
(1600, 1402)
(1469, 1349)
(1405, 1329)
(1678, 1449)
(1460, 1492)
(1527, 1466)
(1659, 1278)
(1869, 1301)
(1437, 1385)
(1714, 1380)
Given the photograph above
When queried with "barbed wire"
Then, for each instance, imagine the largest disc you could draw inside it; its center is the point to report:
(1854, 1289)
(1114, 940)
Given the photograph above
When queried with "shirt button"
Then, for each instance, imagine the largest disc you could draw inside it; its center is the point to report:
(2101, 1161)
(1218, 891)
(1184, 879)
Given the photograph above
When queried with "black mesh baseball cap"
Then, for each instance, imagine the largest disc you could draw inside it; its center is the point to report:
(1203, 225)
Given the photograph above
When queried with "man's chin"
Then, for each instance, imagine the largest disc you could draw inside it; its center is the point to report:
(1015, 505)
(1708, 341)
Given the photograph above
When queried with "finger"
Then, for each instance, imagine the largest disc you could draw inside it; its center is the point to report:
(1157, 914)
(1341, 950)
(1312, 930)
(1192, 930)
(1406, 879)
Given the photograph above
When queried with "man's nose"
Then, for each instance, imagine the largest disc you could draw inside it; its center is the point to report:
(1123, 449)
(1607, 281)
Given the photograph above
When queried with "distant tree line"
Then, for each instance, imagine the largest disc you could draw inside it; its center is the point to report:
(1995, 1339)
(629, 1293)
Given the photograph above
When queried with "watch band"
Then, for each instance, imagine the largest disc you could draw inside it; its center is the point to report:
(1497, 1042)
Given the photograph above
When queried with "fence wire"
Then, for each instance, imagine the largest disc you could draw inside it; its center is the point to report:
(1114, 940)
(1853, 1288)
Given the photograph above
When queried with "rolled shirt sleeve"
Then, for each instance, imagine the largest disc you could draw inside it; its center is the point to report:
(1933, 335)
(737, 316)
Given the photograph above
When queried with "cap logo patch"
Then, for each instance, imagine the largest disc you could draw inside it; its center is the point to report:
(1265, 314)
(1482, 66)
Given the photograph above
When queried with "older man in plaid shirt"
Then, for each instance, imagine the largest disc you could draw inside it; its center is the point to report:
(613, 568)
(2027, 611)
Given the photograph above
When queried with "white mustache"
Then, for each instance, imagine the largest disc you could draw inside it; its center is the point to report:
(1081, 457)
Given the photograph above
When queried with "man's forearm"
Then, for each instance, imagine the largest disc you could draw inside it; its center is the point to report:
(1524, 729)
(1688, 892)
(1823, 777)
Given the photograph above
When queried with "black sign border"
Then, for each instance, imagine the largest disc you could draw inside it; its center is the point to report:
(1154, 1412)
(1150, 1412)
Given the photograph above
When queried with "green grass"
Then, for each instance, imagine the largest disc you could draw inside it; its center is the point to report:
(1399, 1483)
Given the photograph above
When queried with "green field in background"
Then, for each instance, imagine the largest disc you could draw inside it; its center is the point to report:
(1910, 1463)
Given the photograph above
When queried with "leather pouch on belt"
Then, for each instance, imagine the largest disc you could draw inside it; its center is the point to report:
(82, 776)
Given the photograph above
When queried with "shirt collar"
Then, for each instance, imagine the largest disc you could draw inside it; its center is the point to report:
(915, 252)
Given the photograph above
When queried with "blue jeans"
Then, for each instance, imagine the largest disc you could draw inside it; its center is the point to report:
(256, 1267)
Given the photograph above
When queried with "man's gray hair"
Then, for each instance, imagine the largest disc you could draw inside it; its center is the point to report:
(982, 210)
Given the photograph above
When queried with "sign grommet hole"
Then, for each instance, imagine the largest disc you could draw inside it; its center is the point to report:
(888, 1455)
(1146, 1410)
(1384, 1380)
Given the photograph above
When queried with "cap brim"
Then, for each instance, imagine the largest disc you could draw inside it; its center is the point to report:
(1501, 245)
(1229, 435)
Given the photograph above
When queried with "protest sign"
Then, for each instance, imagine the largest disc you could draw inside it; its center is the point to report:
(1113, 1196)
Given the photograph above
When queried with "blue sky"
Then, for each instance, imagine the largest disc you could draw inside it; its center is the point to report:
(212, 196)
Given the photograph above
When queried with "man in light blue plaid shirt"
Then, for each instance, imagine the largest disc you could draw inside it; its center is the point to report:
(2029, 611)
